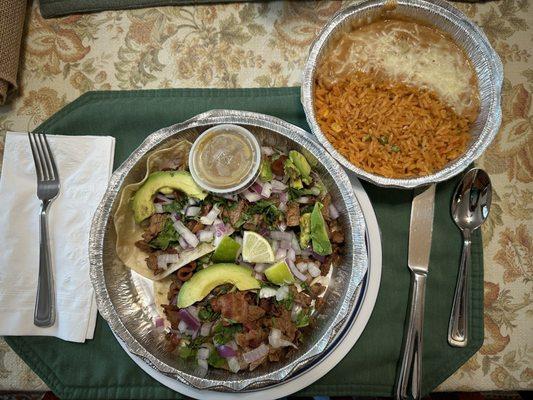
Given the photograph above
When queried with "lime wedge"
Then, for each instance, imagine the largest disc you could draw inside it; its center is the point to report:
(256, 249)
(279, 273)
(226, 250)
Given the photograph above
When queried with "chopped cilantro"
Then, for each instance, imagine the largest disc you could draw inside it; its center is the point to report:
(305, 287)
(197, 342)
(302, 319)
(215, 360)
(186, 352)
(287, 302)
(224, 334)
(167, 237)
(207, 314)
(264, 207)
(176, 206)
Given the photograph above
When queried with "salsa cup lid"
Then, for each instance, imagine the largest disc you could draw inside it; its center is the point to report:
(225, 159)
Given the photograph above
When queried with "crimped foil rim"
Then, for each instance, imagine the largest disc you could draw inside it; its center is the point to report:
(442, 10)
(102, 218)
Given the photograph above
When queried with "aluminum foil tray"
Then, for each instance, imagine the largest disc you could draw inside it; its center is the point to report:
(127, 309)
(470, 37)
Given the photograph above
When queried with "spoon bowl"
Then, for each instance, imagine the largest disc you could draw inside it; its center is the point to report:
(470, 209)
(472, 199)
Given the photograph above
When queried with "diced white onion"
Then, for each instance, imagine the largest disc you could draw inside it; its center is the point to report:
(333, 212)
(267, 292)
(295, 271)
(192, 201)
(251, 196)
(211, 216)
(278, 187)
(203, 353)
(266, 191)
(164, 259)
(303, 200)
(275, 340)
(183, 243)
(158, 208)
(258, 276)
(205, 236)
(277, 235)
(203, 367)
(314, 271)
(193, 211)
(282, 293)
(255, 354)
(280, 253)
(163, 199)
(295, 311)
(285, 245)
(302, 266)
(233, 364)
(282, 207)
(291, 255)
(185, 232)
(206, 329)
(295, 245)
(275, 246)
(267, 151)
(182, 326)
(260, 267)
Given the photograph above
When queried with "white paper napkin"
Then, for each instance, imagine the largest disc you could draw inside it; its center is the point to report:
(85, 164)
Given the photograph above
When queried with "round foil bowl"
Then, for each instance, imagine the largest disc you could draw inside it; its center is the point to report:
(125, 306)
(441, 15)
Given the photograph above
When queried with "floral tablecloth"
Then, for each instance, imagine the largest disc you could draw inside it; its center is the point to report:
(264, 45)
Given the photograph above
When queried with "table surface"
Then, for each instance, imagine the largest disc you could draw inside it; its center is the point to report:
(265, 45)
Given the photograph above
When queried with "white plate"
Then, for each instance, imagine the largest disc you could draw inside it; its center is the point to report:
(370, 287)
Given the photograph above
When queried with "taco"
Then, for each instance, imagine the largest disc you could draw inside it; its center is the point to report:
(154, 238)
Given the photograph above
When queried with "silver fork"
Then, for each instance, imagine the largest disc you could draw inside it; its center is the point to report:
(47, 191)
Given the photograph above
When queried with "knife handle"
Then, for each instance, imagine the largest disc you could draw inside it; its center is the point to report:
(411, 366)
(458, 325)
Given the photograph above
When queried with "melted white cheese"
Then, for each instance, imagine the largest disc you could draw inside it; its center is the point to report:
(410, 53)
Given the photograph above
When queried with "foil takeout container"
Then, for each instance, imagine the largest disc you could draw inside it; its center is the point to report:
(127, 308)
(465, 33)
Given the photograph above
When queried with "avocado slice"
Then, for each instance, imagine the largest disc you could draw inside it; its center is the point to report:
(265, 172)
(319, 233)
(205, 280)
(305, 230)
(142, 203)
(301, 164)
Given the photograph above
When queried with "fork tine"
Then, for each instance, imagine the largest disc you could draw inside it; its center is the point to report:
(48, 157)
(36, 158)
(40, 148)
(52, 160)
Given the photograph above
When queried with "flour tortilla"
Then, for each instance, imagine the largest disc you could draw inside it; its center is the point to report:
(161, 289)
(129, 232)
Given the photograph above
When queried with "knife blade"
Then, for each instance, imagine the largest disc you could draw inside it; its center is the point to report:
(421, 228)
(420, 233)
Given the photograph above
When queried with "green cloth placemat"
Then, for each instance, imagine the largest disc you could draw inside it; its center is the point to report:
(56, 8)
(99, 368)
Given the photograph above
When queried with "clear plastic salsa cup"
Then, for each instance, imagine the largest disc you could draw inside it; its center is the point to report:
(225, 159)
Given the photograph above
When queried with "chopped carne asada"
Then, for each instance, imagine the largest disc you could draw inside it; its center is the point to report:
(244, 275)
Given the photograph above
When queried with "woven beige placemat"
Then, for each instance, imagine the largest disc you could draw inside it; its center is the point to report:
(12, 14)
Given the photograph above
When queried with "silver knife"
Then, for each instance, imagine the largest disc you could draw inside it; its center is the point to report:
(420, 231)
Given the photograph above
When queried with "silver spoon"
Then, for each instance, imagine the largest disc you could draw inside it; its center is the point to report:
(470, 208)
